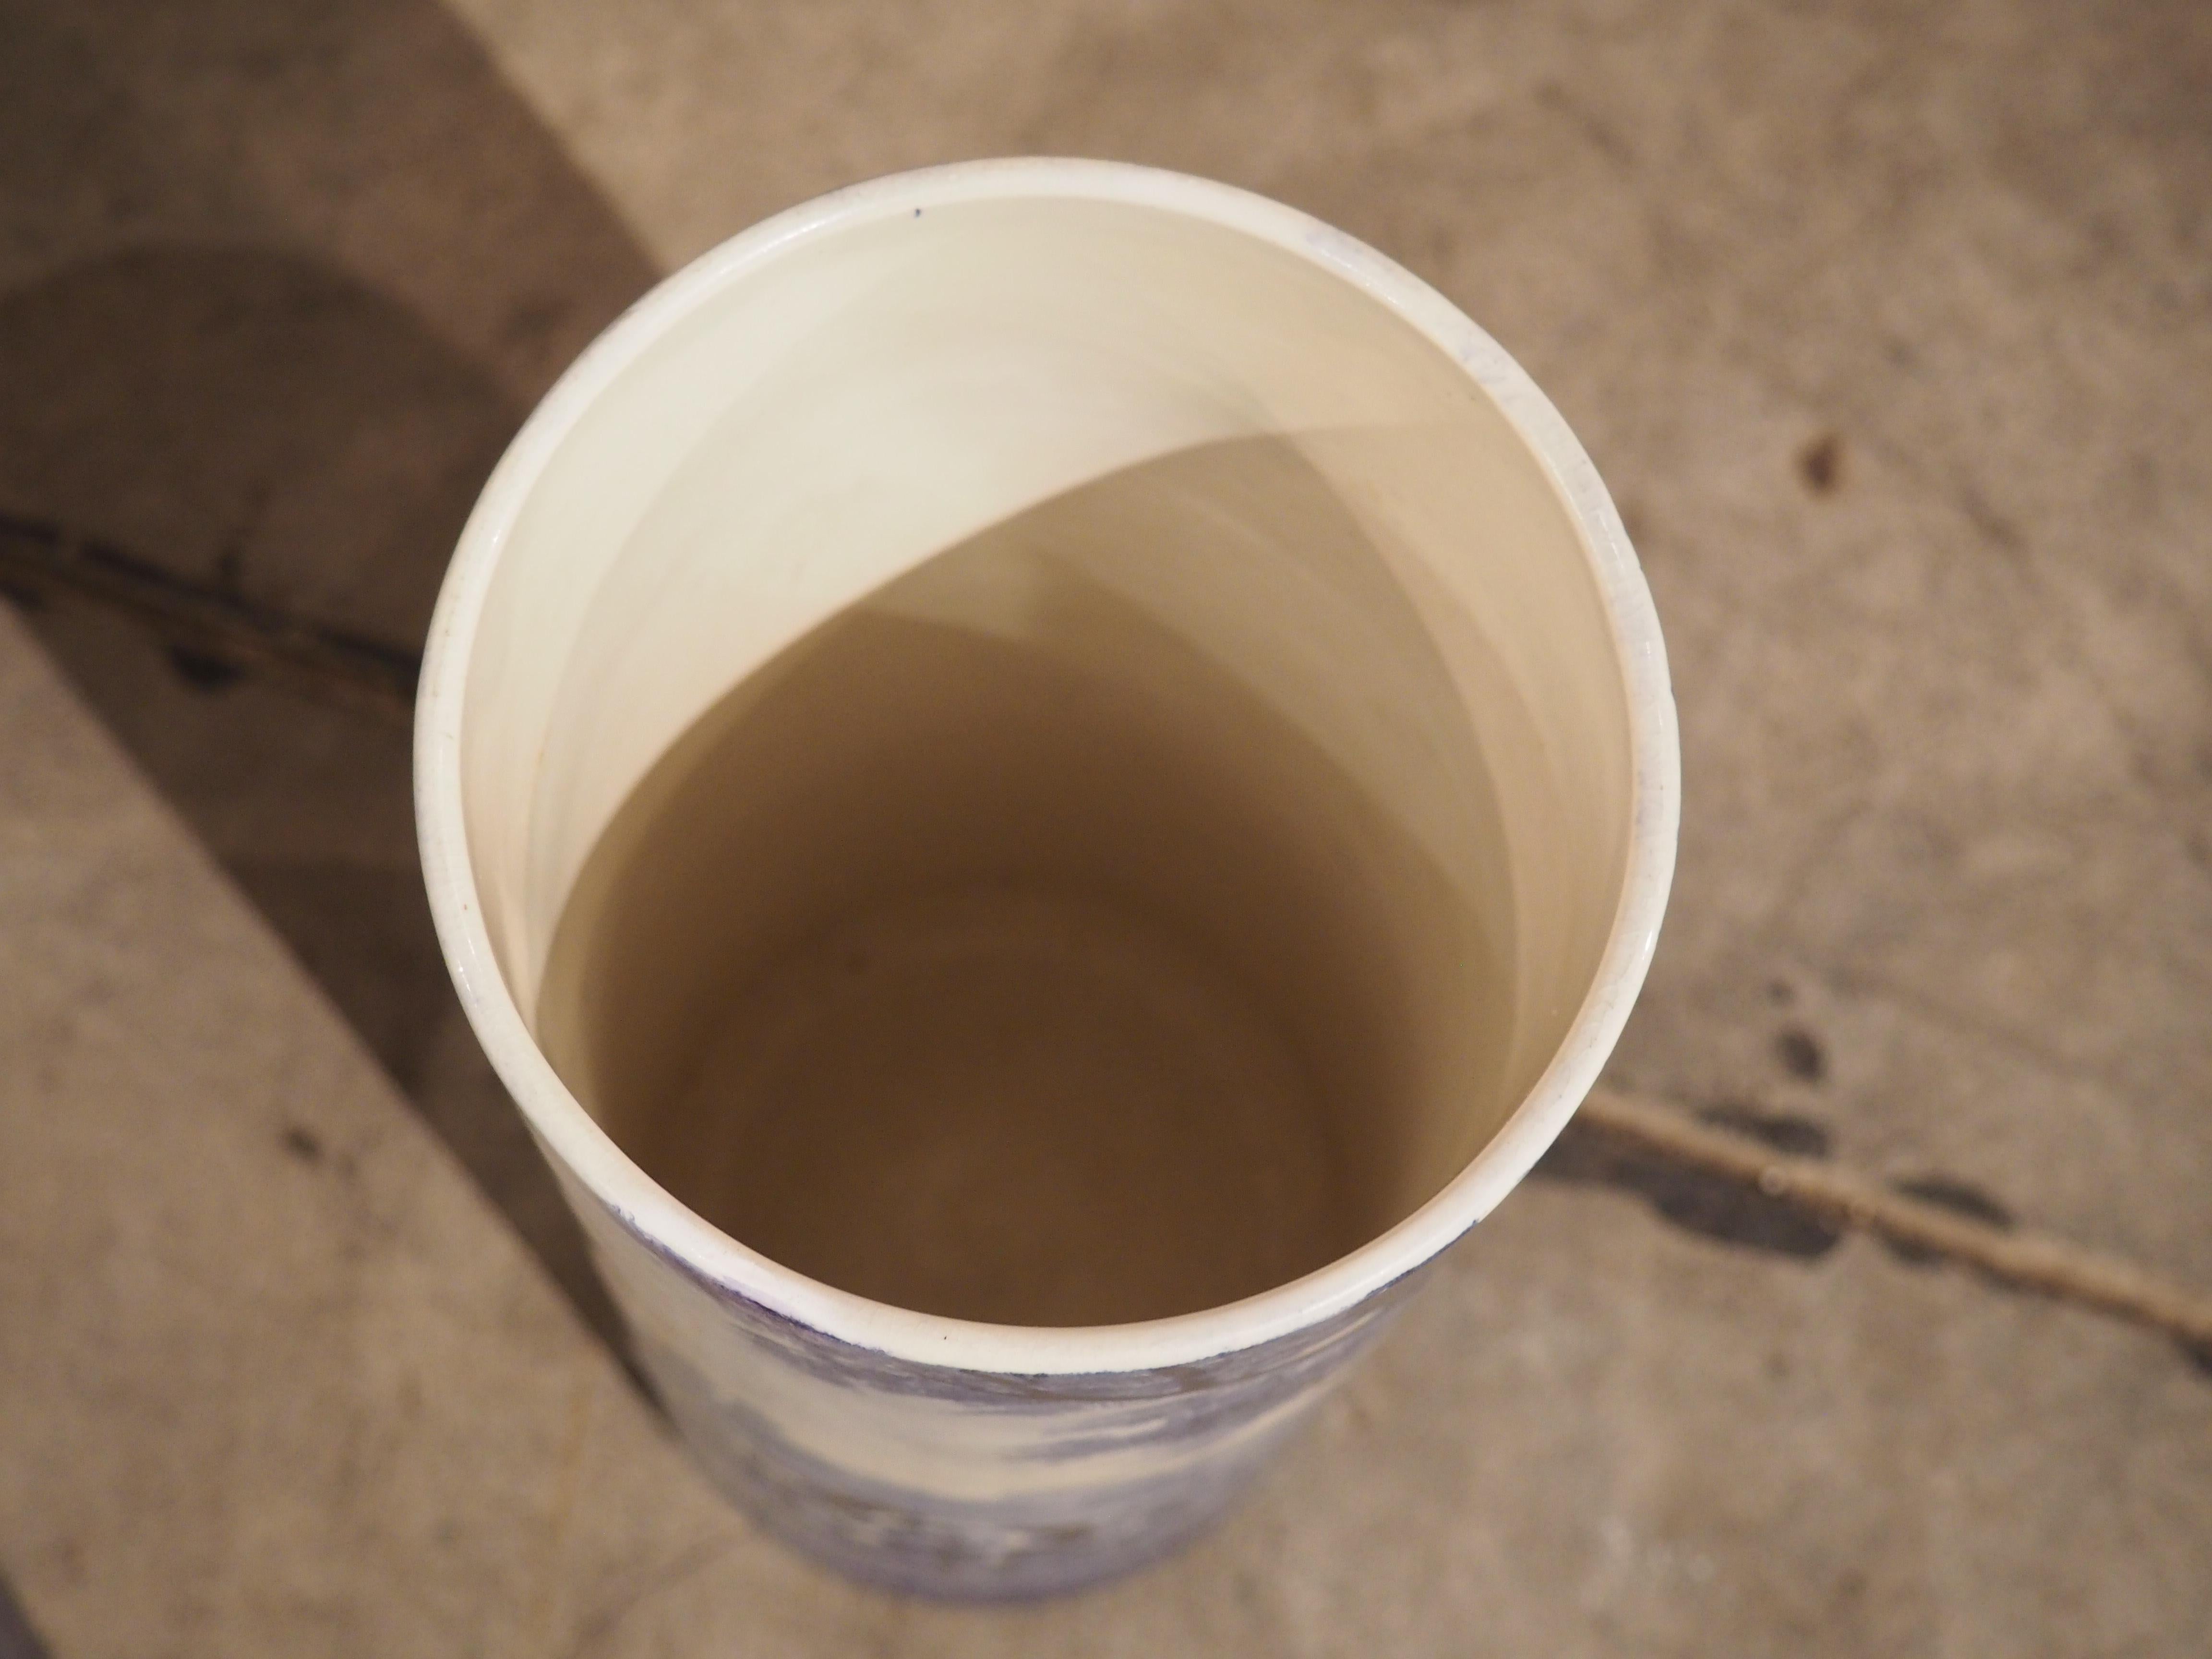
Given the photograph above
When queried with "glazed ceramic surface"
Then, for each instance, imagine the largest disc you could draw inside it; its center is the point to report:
(1071, 408)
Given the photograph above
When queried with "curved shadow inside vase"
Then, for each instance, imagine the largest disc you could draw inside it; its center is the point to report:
(1105, 919)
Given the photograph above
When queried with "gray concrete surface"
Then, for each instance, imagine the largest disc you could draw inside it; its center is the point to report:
(1889, 325)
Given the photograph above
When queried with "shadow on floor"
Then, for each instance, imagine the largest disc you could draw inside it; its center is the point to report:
(196, 366)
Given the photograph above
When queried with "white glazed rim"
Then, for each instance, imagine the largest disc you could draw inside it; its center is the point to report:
(573, 1137)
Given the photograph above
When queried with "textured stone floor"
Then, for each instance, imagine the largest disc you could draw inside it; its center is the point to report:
(1890, 327)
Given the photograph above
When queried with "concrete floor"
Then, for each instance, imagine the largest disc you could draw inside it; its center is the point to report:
(1890, 327)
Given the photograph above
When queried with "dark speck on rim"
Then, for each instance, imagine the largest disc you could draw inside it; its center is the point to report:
(303, 1144)
(1801, 1053)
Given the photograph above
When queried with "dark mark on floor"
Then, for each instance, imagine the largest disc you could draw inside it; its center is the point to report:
(1946, 1193)
(1698, 1201)
(2001, 530)
(303, 1144)
(2199, 847)
(1820, 463)
(208, 622)
(17, 1639)
(202, 671)
(1600, 136)
(1801, 1053)
(1781, 993)
(1787, 1132)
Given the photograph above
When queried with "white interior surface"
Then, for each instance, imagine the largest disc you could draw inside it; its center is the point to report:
(815, 413)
